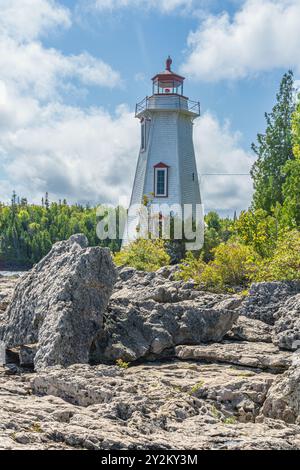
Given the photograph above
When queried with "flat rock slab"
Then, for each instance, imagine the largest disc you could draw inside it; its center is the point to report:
(257, 355)
(145, 407)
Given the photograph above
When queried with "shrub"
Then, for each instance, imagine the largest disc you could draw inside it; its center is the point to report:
(259, 230)
(144, 255)
(233, 265)
(191, 268)
(285, 263)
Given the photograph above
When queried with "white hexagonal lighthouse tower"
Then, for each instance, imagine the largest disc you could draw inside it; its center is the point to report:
(166, 169)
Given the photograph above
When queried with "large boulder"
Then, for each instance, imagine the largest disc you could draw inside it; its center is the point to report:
(266, 298)
(287, 325)
(283, 398)
(149, 314)
(59, 304)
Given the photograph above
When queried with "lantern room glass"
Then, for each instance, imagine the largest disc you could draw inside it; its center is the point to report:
(167, 87)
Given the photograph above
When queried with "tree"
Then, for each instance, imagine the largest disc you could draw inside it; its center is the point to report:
(274, 149)
(291, 187)
(285, 262)
(259, 230)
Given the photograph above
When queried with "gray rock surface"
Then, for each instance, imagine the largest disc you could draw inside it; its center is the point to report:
(257, 355)
(7, 285)
(175, 405)
(283, 398)
(59, 304)
(266, 298)
(246, 329)
(241, 393)
(148, 315)
(287, 324)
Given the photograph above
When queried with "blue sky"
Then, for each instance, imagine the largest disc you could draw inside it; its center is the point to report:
(72, 71)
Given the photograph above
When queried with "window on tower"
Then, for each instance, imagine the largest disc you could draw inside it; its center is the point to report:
(161, 180)
(143, 135)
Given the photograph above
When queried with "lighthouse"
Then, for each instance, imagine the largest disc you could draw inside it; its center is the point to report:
(166, 173)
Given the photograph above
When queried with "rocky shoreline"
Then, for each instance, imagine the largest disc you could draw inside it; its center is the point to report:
(198, 370)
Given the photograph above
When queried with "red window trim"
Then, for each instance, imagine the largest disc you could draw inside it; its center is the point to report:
(165, 167)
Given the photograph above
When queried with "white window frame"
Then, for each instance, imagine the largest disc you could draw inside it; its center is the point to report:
(165, 170)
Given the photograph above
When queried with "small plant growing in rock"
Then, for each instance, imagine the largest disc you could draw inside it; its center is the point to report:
(230, 420)
(197, 387)
(215, 412)
(36, 427)
(122, 364)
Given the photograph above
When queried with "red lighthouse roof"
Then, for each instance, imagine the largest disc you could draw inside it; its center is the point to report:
(167, 75)
(168, 82)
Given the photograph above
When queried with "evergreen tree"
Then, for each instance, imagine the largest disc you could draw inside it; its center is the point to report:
(291, 188)
(274, 149)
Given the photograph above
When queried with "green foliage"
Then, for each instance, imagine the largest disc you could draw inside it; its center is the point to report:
(28, 231)
(296, 130)
(191, 267)
(144, 255)
(232, 266)
(122, 364)
(230, 420)
(259, 230)
(217, 230)
(197, 387)
(285, 262)
(291, 187)
(274, 149)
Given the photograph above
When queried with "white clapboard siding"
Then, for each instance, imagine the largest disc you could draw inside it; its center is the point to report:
(169, 139)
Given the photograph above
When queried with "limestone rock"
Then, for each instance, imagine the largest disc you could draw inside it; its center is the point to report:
(174, 405)
(246, 329)
(150, 313)
(283, 398)
(148, 329)
(266, 298)
(257, 355)
(27, 355)
(59, 304)
(287, 325)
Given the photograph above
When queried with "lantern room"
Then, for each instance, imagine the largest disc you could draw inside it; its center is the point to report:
(168, 82)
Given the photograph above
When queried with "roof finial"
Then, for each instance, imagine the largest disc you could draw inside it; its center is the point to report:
(169, 63)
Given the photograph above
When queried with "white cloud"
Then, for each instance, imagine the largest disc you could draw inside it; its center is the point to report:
(45, 144)
(81, 155)
(165, 6)
(219, 151)
(91, 156)
(42, 72)
(261, 35)
(30, 67)
(28, 19)
(87, 154)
